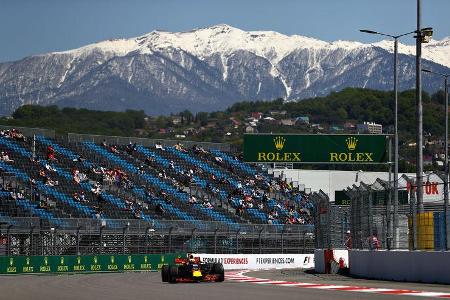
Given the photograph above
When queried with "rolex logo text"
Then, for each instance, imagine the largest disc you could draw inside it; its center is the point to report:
(279, 142)
(351, 156)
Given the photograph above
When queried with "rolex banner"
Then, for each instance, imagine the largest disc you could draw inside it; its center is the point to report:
(84, 263)
(319, 148)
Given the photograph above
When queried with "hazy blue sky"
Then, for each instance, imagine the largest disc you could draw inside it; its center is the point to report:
(37, 26)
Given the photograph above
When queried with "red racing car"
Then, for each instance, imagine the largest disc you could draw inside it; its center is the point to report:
(192, 270)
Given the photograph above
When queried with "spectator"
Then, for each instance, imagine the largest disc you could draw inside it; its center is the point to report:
(5, 157)
(374, 242)
(80, 158)
(3, 245)
(141, 169)
(192, 200)
(348, 240)
(50, 153)
(159, 209)
(76, 197)
(114, 150)
(82, 197)
(49, 167)
(159, 146)
(20, 195)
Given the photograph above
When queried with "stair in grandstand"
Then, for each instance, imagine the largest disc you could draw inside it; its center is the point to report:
(25, 170)
(255, 215)
(116, 161)
(198, 188)
(117, 207)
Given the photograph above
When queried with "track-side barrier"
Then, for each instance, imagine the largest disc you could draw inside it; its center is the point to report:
(260, 261)
(84, 263)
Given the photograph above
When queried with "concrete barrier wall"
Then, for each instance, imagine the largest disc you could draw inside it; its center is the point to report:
(414, 266)
(319, 260)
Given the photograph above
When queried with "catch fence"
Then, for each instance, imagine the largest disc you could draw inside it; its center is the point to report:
(31, 236)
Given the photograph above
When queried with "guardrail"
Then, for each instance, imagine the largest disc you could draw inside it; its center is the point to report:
(121, 140)
(29, 132)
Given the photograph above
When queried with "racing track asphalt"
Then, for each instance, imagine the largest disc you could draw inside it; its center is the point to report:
(147, 286)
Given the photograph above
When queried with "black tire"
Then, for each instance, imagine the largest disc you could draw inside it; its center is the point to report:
(219, 272)
(173, 274)
(165, 273)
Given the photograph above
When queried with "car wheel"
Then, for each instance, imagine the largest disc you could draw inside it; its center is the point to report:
(165, 273)
(219, 272)
(173, 274)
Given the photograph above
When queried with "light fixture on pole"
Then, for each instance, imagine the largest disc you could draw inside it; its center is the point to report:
(395, 37)
(446, 171)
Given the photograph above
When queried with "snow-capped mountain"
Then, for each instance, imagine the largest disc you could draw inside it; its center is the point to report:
(208, 69)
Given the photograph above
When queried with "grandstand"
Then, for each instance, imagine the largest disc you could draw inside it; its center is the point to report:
(116, 184)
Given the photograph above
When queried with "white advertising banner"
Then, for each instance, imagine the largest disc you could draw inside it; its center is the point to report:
(433, 188)
(259, 261)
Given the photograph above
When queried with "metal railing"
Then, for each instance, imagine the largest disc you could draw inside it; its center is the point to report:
(121, 140)
(29, 132)
(31, 236)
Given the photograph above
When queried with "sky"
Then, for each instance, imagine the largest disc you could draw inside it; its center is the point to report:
(30, 27)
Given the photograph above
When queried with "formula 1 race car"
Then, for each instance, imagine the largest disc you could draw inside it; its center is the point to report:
(192, 270)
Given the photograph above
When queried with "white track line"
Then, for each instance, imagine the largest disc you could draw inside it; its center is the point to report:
(240, 277)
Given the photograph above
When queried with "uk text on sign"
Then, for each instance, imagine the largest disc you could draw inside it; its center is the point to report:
(290, 148)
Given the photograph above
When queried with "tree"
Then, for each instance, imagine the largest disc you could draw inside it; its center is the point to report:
(202, 118)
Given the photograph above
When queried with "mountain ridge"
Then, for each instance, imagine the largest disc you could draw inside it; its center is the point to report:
(206, 69)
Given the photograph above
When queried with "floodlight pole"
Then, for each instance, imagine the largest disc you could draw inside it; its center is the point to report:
(395, 214)
(446, 240)
(419, 120)
(395, 227)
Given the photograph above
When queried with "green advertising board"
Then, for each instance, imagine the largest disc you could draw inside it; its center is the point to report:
(317, 148)
(84, 263)
(341, 198)
(381, 197)
(378, 198)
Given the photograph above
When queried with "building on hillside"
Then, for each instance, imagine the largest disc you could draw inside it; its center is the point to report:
(317, 127)
(176, 120)
(303, 120)
(288, 122)
(277, 112)
(370, 127)
(256, 115)
(350, 126)
(335, 128)
(250, 129)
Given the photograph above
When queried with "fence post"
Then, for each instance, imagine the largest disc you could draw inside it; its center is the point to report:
(101, 238)
(147, 238)
(260, 240)
(370, 213)
(215, 240)
(123, 237)
(41, 242)
(8, 238)
(412, 201)
(170, 239)
(282, 240)
(53, 233)
(389, 229)
(78, 240)
(192, 236)
(237, 240)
